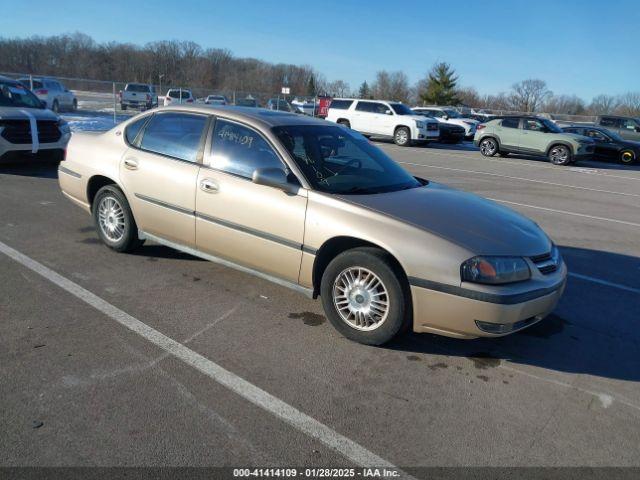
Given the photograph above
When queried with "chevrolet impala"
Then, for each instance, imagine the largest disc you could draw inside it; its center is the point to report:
(316, 207)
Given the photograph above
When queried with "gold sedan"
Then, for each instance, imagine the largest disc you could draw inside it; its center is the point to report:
(315, 207)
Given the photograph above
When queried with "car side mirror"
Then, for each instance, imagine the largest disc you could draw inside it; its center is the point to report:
(273, 177)
(388, 112)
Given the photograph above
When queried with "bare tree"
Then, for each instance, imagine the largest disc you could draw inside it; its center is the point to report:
(565, 104)
(391, 86)
(603, 104)
(529, 95)
(338, 88)
(468, 96)
(629, 104)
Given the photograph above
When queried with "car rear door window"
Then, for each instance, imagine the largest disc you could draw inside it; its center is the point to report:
(510, 122)
(340, 104)
(609, 122)
(176, 135)
(240, 150)
(364, 107)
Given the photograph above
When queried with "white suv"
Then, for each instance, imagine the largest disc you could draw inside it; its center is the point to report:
(381, 118)
(450, 115)
(178, 96)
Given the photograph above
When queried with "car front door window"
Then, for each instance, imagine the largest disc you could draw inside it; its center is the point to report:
(240, 150)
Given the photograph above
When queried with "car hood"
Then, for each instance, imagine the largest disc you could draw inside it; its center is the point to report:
(17, 113)
(575, 137)
(481, 226)
(418, 118)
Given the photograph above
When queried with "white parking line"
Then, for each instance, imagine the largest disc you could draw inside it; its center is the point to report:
(294, 417)
(564, 212)
(522, 179)
(604, 282)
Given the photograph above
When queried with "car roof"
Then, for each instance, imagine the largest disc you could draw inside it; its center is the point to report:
(257, 116)
(8, 80)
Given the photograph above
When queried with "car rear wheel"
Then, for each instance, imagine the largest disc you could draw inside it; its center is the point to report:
(114, 221)
(344, 123)
(364, 296)
(560, 155)
(55, 106)
(123, 107)
(402, 137)
(488, 147)
(74, 105)
(627, 157)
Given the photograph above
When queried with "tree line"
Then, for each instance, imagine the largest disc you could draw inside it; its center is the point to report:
(185, 63)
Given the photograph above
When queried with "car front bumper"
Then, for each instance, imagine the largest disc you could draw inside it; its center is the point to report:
(23, 152)
(454, 315)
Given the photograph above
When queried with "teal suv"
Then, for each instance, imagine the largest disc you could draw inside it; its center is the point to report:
(532, 136)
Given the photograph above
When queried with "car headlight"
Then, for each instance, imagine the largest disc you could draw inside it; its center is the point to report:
(420, 124)
(64, 127)
(495, 270)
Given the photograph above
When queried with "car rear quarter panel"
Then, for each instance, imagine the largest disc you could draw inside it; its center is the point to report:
(90, 154)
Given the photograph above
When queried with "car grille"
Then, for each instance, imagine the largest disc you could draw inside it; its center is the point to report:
(545, 263)
(19, 131)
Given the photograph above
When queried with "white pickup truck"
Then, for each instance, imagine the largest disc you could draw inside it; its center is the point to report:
(380, 118)
(138, 95)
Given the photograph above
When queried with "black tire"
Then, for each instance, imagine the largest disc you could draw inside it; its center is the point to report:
(129, 240)
(74, 105)
(55, 106)
(627, 157)
(560, 155)
(489, 146)
(399, 312)
(344, 123)
(123, 107)
(402, 137)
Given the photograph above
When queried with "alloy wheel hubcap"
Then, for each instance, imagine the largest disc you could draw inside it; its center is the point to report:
(401, 136)
(487, 147)
(559, 154)
(111, 219)
(361, 298)
(627, 157)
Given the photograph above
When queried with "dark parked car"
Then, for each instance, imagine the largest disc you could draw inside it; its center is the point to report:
(626, 127)
(609, 145)
(451, 133)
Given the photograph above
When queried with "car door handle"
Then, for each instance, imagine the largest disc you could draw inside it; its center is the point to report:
(131, 163)
(209, 186)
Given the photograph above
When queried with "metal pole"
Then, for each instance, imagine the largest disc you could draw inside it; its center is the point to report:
(114, 103)
(180, 95)
(31, 82)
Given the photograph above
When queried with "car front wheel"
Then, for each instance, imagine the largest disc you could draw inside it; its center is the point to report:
(488, 147)
(560, 155)
(364, 296)
(114, 221)
(402, 137)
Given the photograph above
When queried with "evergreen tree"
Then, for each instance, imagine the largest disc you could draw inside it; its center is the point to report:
(364, 91)
(311, 86)
(440, 86)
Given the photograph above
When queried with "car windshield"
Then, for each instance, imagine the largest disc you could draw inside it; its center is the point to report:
(452, 113)
(16, 95)
(552, 127)
(401, 109)
(136, 88)
(337, 160)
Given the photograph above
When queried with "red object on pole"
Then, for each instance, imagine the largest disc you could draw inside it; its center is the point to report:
(323, 106)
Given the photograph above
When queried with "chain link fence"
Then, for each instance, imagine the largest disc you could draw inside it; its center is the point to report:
(96, 104)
